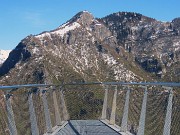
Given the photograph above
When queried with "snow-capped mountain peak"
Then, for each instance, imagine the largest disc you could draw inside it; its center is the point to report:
(82, 18)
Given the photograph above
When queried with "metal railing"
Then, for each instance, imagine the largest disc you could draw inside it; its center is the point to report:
(145, 108)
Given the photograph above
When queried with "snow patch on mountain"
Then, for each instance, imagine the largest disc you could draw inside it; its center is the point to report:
(120, 73)
(67, 28)
(176, 46)
(60, 31)
(4, 55)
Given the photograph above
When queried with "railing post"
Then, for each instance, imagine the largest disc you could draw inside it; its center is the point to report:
(125, 112)
(46, 112)
(34, 127)
(143, 113)
(167, 125)
(113, 112)
(56, 107)
(103, 116)
(10, 115)
(63, 106)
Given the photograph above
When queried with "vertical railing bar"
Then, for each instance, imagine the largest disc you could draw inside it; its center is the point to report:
(63, 105)
(56, 108)
(10, 115)
(167, 125)
(124, 122)
(113, 112)
(46, 112)
(141, 127)
(34, 127)
(104, 110)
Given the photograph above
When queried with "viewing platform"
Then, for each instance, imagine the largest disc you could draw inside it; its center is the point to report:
(94, 108)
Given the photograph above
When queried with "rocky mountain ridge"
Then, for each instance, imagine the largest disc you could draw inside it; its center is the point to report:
(88, 49)
(155, 45)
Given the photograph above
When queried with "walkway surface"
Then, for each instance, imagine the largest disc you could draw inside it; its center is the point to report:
(86, 127)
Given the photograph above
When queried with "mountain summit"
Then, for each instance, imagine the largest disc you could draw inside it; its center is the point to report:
(84, 17)
(122, 46)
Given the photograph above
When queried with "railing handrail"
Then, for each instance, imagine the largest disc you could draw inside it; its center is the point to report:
(25, 86)
(174, 84)
(171, 84)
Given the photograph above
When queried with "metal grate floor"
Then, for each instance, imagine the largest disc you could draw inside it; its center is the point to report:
(86, 127)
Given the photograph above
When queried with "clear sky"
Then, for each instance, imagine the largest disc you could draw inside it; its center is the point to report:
(20, 18)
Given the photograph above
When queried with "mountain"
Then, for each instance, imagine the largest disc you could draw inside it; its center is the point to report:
(4, 55)
(155, 45)
(122, 46)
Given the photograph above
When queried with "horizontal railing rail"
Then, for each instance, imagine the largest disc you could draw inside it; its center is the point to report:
(94, 83)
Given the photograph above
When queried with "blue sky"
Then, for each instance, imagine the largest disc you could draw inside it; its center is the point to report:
(20, 18)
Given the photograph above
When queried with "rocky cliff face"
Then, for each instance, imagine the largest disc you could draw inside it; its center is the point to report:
(154, 45)
(89, 49)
